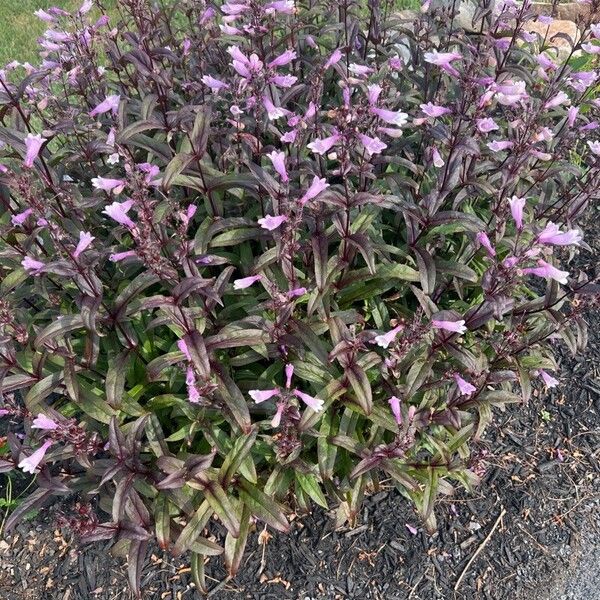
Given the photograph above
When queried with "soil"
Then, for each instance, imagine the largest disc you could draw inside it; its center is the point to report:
(530, 533)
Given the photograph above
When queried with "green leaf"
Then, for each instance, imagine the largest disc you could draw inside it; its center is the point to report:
(162, 521)
(197, 566)
(362, 388)
(115, 378)
(191, 532)
(234, 547)
(58, 329)
(240, 451)
(261, 506)
(308, 482)
(34, 400)
(176, 165)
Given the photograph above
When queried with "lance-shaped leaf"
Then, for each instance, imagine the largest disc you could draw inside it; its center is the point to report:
(155, 367)
(12, 383)
(427, 269)
(58, 329)
(200, 132)
(362, 388)
(262, 506)
(115, 378)
(218, 500)
(197, 566)
(34, 400)
(308, 482)
(241, 449)
(234, 547)
(233, 397)
(32, 501)
(137, 286)
(198, 353)
(193, 529)
(135, 562)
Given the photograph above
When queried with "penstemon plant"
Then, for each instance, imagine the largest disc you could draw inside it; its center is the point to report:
(256, 256)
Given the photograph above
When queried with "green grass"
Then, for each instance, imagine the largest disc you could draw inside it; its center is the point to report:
(20, 28)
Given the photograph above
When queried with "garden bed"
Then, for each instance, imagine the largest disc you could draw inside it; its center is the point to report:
(544, 473)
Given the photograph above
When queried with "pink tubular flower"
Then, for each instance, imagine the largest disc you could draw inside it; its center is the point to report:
(395, 406)
(397, 118)
(31, 463)
(433, 110)
(333, 59)
(324, 145)
(316, 187)
(436, 158)
(118, 256)
(271, 223)
(85, 8)
(499, 145)
(360, 70)
(246, 282)
(511, 92)
(466, 388)
(188, 215)
(283, 81)
(33, 145)
(443, 60)
(32, 265)
(560, 98)
(548, 271)
(284, 7)
(115, 186)
(590, 48)
(214, 84)
(554, 236)
(85, 239)
(373, 93)
(454, 326)
(385, 339)
(44, 16)
(372, 145)
(278, 160)
(20, 218)
(296, 292)
(594, 147)
(289, 372)
(548, 379)
(273, 112)
(516, 208)
(486, 125)
(110, 103)
(118, 211)
(546, 63)
(484, 240)
(190, 381)
(183, 348)
(277, 418)
(283, 59)
(315, 403)
(262, 395)
(572, 113)
(44, 422)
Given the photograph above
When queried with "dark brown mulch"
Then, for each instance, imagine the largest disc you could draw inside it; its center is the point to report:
(544, 472)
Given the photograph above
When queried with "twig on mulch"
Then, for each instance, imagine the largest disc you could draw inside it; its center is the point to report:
(481, 547)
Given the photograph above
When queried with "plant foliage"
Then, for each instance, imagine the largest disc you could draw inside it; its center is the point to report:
(257, 256)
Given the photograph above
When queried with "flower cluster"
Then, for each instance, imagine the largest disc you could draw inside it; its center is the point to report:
(200, 205)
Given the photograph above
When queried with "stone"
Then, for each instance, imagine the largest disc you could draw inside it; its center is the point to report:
(467, 12)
